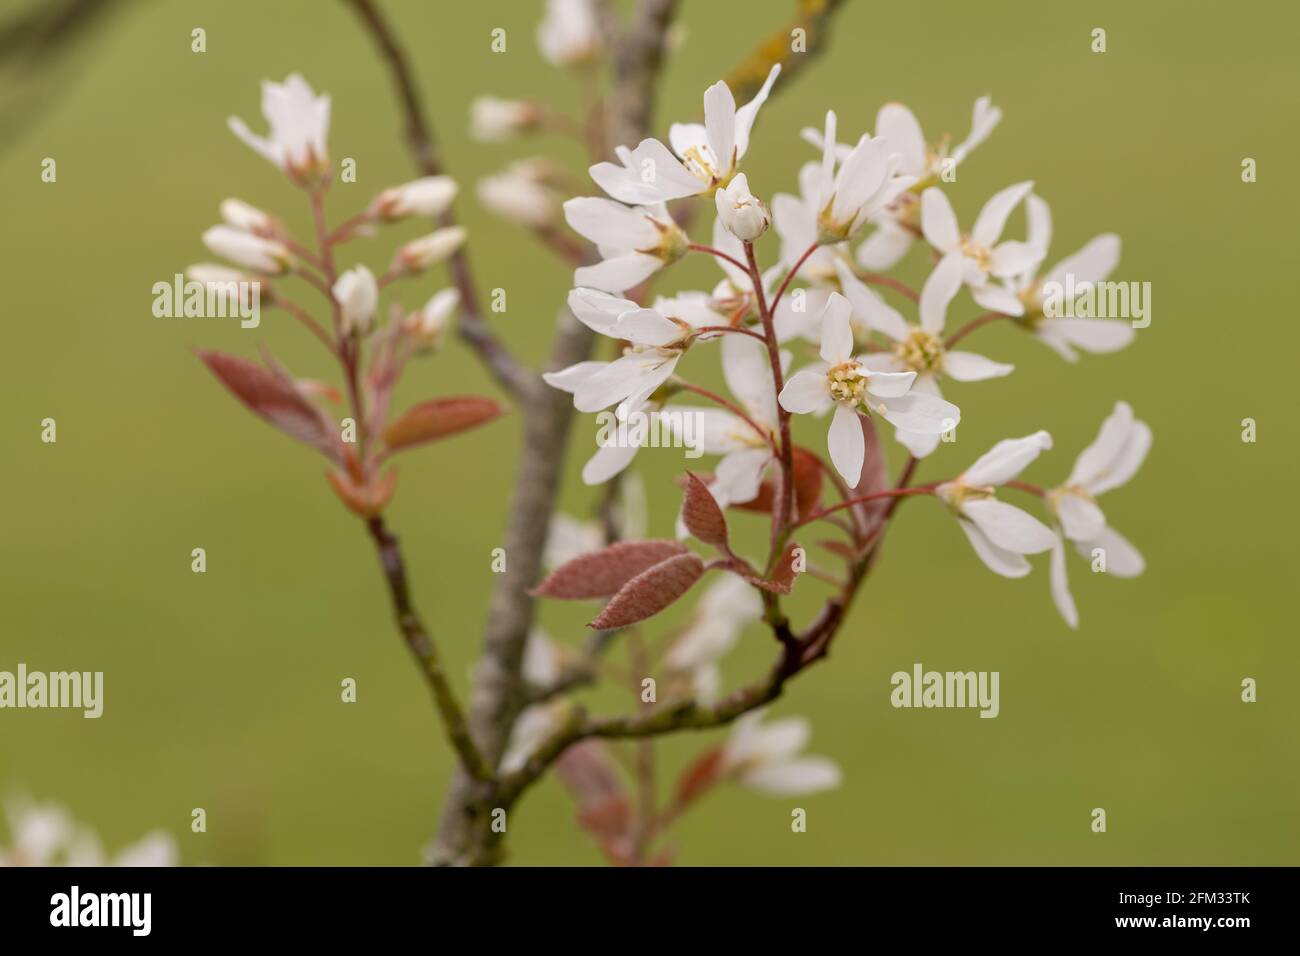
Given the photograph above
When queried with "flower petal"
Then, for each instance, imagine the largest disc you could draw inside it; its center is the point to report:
(969, 367)
(837, 332)
(618, 274)
(1060, 584)
(993, 217)
(870, 307)
(939, 290)
(846, 444)
(998, 560)
(1007, 459)
(938, 221)
(1008, 527)
(806, 392)
(1122, 559)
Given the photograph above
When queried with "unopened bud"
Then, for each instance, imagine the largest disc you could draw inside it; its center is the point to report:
(429, 196)
(247, 250)
(427, 327)
(744, 216)
(492, 120)
(419, 254)
(357, 294)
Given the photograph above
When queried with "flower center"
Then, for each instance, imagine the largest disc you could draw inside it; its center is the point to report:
(973, 250)
(921, 351)
(700, 161)
(848, 382)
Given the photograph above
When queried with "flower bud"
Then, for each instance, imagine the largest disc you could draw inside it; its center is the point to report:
(426, 327)
(419, 254)
(492, 120)
(429, 196)
(247, 250)
(241, 215)
(518, 195)
(357, 294)
(744, 216)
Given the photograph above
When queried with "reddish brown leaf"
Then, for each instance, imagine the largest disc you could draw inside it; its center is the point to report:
(365, 500)
(782, 579)
(807, 480)
(601, 573)
(608, 818)
(701, 774)
(840, 548)
(439, 418)
(701, 514)
(762, 502)
(274, 398)
(650, 592)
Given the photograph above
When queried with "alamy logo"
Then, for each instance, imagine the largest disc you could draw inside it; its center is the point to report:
(677, 428)
(103, 909)
(213, 299)
(922, 688)
(1098, 300)
(74, 690)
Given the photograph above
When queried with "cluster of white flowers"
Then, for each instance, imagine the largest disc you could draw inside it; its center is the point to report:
(874, 359)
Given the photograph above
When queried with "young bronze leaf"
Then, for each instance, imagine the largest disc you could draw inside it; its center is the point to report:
(699, 775)
(274, 399)
(601, 573)
(439, 418)
(782, 579)
(701, 514)
(807, 480)
(650, 592)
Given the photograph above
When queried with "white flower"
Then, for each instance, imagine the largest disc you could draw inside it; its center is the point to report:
(1109, 462)
(568, 537)
(419, 254)
(710, 152)
(46, 835)
(897, 225)
(493, 120)
(1076, 273)
(766, 758)
(919, 348)
(745, 452)
(983, 255)
(299, 122)
(532, 728)
(1001, 534)
(427, 326)
(740, 211)
(733, 298)
(241, 215)
(357, 294)
(541, 663)
(864, 183)
(519, 195)
(428, 196)
(715, 625)
(656, 343)
(248, 250)
(795, 218)
(848, 384)
(633, 242)
(568, 34)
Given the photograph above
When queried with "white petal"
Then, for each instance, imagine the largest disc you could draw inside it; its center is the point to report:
(747, 370)
(1096, 460)
(837, 332)
(993, 217)
(885, 247)
(1122, 559)
(720, 122)
(969, 367)
(806, 392)
(1092, 335)
(799, 776)
(890, 384)
(1080, 518)
(649, 174)
(939, 290)
(608, 461)
(1093, 263)
(624, 378)
(609, 224)
(647, 327)
(746, 115)
(900, 129)
(569, 379)
(918, 412)
(998, 560)
(1007, 459)
(998, 298)
(739, 476)
(938, 221)
(618, 274)
(1013, 258)
(1060, 584)
(1007, 526)
(846, 443)
(861, 174)
(870, 307)
(598, 310)
(918, 443)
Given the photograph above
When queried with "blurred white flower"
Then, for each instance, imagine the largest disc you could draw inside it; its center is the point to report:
(299, 122)
(237, 213)
(46, 835)
(357, 294)
(766, 758)
(248, 250)
(1001, 534)
(569, 34)
(418, 254)
(719, 617)
(520, 195)
(428, 326)
(1109, 462)
(494, 120)
(429, 196)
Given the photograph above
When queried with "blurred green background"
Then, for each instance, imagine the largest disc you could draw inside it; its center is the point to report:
(222, 689)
